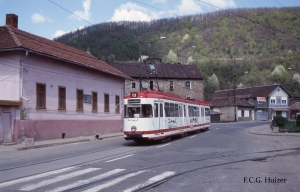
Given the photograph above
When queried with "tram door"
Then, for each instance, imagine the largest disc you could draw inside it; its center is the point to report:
(159, 115)
(182, 115)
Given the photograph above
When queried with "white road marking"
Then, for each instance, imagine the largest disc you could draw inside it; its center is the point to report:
(82, 182)
(4, 184)
(207, 131)
(57, 179)
(192, 136)
(119, 158)
(217, 128)
(163, 145)
(150, 181)
(113, 182)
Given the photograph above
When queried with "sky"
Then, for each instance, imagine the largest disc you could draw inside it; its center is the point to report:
(52, 18)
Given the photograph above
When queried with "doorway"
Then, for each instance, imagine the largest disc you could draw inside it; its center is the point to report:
(6, 125)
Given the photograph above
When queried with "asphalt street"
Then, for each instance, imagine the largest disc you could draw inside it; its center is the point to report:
(224, 158)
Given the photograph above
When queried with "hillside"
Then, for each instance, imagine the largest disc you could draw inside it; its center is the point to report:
(264, 45)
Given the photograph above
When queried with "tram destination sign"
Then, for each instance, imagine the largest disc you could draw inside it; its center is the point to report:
(134, 101)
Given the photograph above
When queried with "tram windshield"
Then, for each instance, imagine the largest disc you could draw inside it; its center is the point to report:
(138, 111)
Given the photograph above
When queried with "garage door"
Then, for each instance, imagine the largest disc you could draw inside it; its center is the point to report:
(261, 115)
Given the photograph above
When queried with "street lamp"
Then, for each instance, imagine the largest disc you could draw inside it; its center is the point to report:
(140, 70)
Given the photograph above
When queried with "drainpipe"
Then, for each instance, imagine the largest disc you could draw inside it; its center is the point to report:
(21, 79)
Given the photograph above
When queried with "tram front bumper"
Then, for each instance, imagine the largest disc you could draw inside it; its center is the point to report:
(134, 136)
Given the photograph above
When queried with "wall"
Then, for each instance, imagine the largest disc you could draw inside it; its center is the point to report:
(248, 115)
(49, 123)
(197, 91)
(10, 75)
(227, 114)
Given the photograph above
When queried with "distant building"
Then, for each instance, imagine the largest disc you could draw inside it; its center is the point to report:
(49, 90)
(253, 103)
(294, 110)
(183, 80)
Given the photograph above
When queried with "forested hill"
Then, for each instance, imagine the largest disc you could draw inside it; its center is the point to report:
(263, 42)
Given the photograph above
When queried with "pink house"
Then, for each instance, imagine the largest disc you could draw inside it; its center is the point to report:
(49, 90)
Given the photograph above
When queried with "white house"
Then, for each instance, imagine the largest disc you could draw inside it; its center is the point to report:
(49, 90)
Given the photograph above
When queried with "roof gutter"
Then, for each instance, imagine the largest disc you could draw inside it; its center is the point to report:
(65, 60)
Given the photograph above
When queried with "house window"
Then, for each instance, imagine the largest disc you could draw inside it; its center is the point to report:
(259, 102)
(273, 100)
(106, 102)
(94, 101)
(79, 100)
(188, 85)
(242, 113)
(151, 85)
(40, 96)
(171, 85)
(117, 104)
(283, 101)
(133, 85)
(61, 98)
(251, 101)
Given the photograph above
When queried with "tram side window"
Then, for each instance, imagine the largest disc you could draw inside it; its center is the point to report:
(161, 110)
(172, 109)
(155, 110)
(207, 112)
(167, 109)
(191, 111)
(196, 111)
(202, 111)
(180, 111)
(176, 111)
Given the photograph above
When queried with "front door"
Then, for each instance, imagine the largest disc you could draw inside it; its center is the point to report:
(6, 125)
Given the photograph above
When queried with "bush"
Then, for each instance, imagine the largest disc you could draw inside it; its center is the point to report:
(298, 120)
(280, 121)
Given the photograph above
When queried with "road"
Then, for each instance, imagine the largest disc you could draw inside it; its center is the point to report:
(225, 158)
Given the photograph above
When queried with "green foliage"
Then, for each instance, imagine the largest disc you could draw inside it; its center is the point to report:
(298, 120)
(220, 44)
(280, 121)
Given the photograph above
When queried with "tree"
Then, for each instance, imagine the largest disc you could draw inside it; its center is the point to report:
(172, 57)
(111, 57)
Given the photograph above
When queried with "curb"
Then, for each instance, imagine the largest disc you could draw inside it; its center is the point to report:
(50, 144)
(273, 134)
(63, 143)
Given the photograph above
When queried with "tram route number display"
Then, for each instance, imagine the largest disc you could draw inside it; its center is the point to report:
(131, 101)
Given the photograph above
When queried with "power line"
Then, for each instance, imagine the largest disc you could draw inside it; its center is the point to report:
(155, 8)
(287, 8)
(70, 12)
(249, 19)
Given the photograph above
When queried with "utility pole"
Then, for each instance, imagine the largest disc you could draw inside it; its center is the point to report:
(140, 70)
(141, 63)
(234, 99)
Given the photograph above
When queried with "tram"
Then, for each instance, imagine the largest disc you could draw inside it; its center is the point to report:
(154, 115)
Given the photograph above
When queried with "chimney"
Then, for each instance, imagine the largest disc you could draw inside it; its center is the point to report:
(12, 20)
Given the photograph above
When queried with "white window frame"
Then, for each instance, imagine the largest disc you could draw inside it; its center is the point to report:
(190, 85)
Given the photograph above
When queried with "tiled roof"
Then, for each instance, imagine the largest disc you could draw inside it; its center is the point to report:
(164, 71)
(12, 38)
(250, 92)
(295, 107)
(225, 102)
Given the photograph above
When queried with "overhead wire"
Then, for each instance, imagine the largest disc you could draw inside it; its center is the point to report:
(288, 9)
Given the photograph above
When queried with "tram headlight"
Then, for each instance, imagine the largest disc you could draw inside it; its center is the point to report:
(133, 129)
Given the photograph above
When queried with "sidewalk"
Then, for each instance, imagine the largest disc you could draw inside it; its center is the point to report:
(267, 130)
(54, 142)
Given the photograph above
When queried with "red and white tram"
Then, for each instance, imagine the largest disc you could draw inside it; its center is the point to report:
(153, 115)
